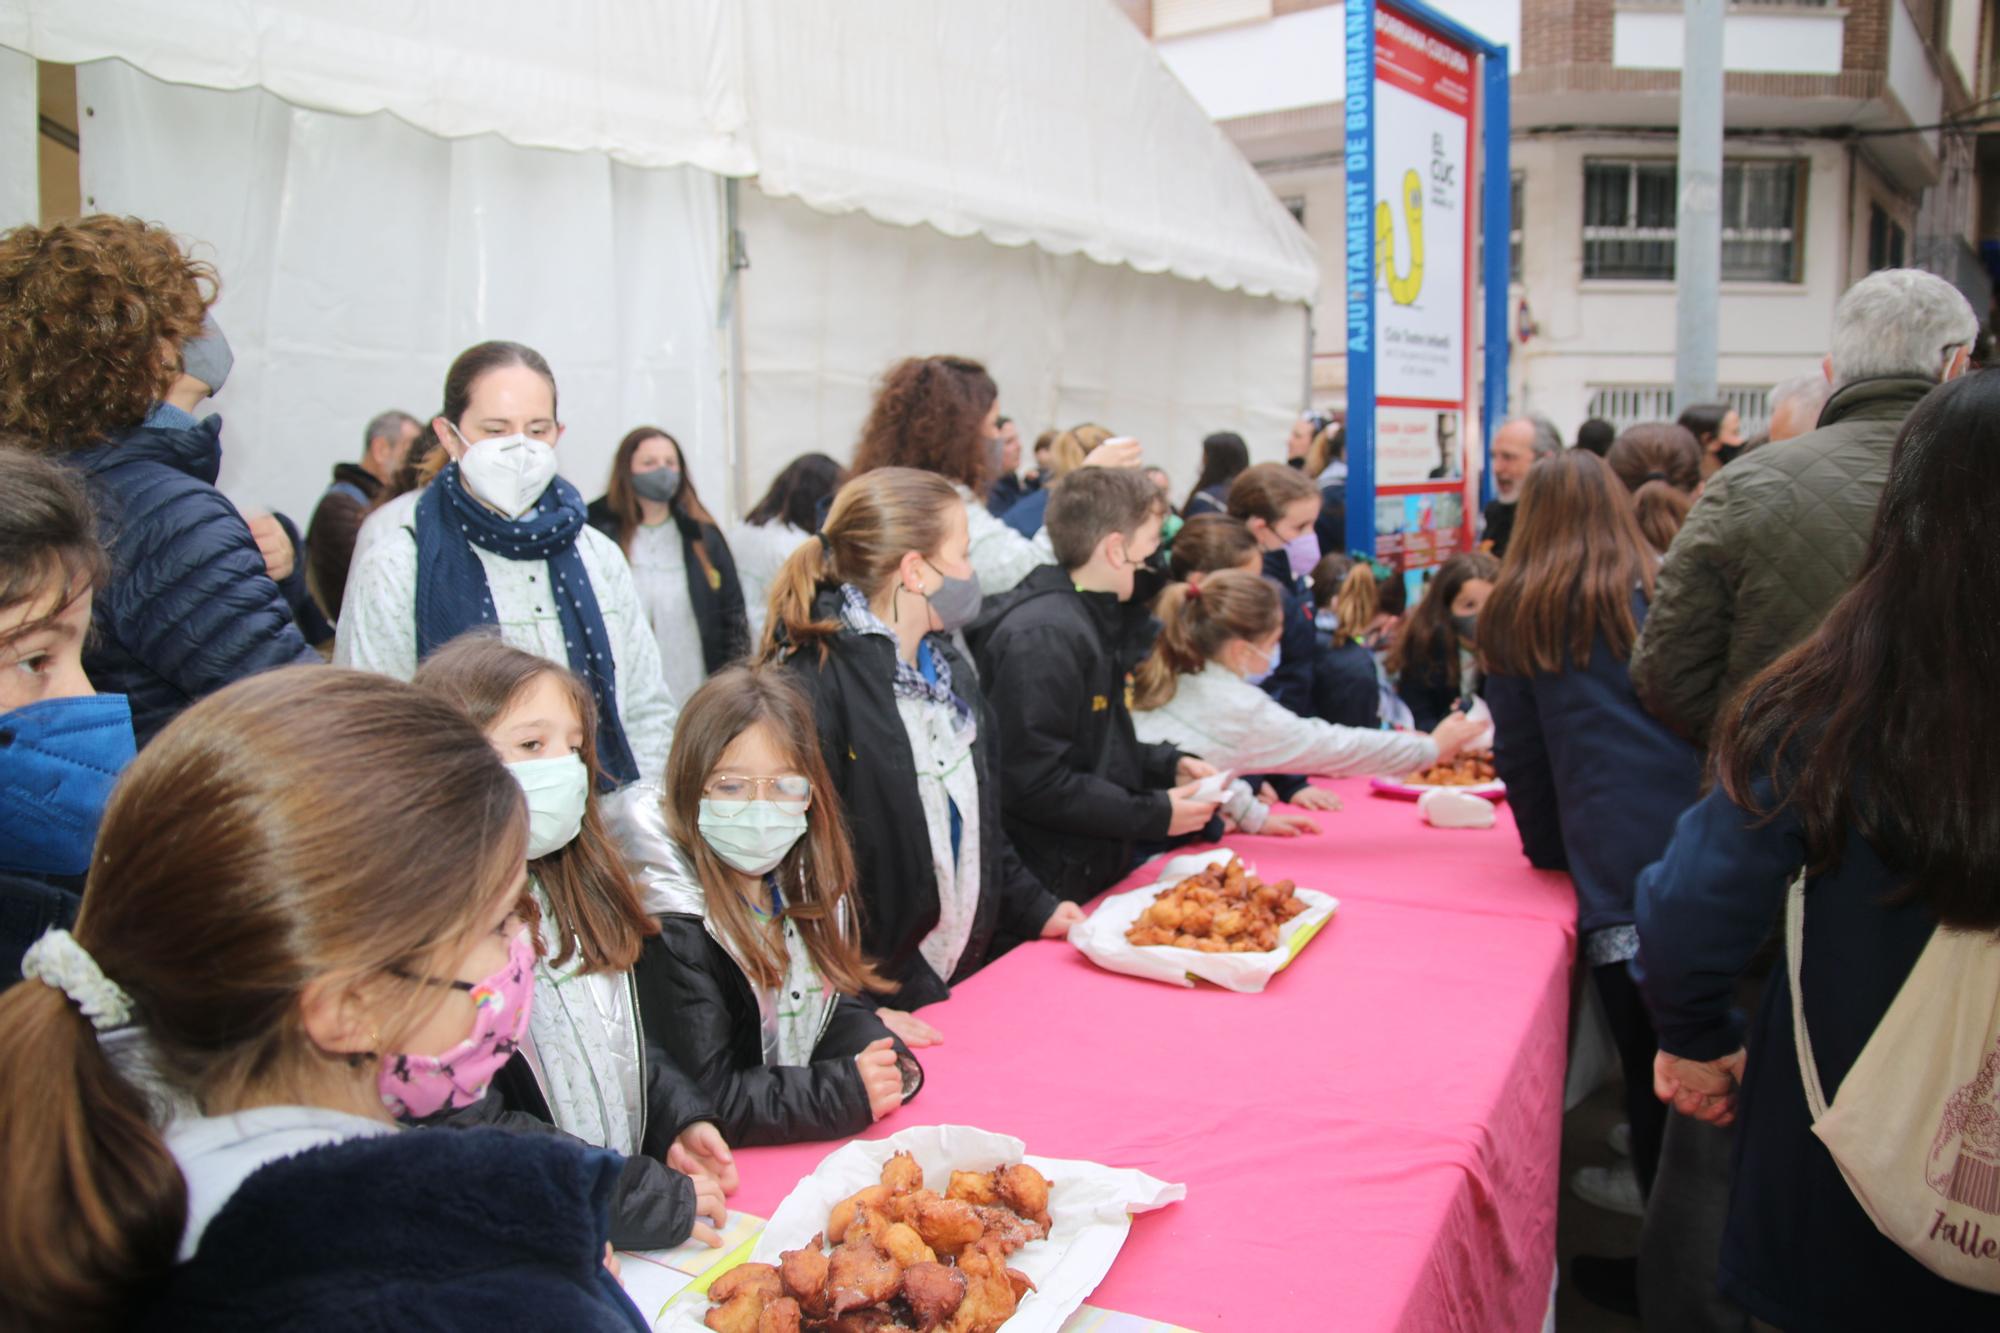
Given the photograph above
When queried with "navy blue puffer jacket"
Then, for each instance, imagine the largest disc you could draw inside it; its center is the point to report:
(188, 608)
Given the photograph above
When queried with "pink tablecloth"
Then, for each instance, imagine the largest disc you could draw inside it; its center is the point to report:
(1372, 1143)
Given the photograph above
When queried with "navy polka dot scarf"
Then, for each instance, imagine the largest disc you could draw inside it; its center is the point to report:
(452, 596)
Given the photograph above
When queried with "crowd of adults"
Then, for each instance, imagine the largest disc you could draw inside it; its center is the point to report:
(781, 783)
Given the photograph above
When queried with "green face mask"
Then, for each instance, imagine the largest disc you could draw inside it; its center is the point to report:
(753, 839)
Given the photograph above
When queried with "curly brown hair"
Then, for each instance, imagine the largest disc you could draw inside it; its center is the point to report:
(85, 308)
(927, 414)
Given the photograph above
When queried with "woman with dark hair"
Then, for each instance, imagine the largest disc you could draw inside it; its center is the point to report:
(1223, 457)
(499, 539)
(1849, 791)
(685, 575)
(97, 318)
(1432, 657)
(1660, 463)
(1718, 430)
(778, 525)
(66, 743)
(941, 414)
(1595, 781)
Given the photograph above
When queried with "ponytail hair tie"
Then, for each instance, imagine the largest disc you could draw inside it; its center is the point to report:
(1656, 475)
(1194, 587)
(57, 960)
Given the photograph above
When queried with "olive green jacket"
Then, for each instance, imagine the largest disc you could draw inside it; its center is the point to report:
(1771, 545)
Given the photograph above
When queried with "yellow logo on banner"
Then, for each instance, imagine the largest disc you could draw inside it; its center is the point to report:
(1403, 291)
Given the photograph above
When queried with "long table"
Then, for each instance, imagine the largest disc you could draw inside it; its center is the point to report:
(1370, 1144)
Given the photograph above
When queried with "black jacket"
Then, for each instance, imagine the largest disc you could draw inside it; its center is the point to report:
(1345, 690)
(445, 1233)
(188, 608)
(1798, 1250)
(653, 1206)
(1005, 492)
(1594, 780)
(1500, 524)
(717, 596)
(867, 751)
(331, 531)
(1292, 683)
(695, 998)
(1078, 791)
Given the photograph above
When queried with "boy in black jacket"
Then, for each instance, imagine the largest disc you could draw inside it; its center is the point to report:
(1079, 794)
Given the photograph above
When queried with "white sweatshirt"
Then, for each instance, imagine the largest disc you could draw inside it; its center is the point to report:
(1229, 722)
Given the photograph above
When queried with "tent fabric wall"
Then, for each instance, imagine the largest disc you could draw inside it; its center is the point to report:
(1044, 122)
(359, 255)
(647, 84)
(20, 188)
(829, 302)
(1049, 122)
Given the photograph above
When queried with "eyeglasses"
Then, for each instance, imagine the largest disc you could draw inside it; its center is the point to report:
(727, 793)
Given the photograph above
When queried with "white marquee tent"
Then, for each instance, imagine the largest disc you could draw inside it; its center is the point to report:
(383, 182)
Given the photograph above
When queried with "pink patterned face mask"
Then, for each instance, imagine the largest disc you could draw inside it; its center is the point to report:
(417, 1086)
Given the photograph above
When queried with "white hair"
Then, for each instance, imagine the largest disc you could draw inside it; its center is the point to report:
(1899, 321)
(1547, 439)
(1804, 394)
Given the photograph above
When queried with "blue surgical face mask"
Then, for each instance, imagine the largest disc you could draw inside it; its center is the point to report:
(58, 761)
(1277, 655)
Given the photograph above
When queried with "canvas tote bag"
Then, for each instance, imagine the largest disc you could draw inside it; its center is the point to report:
(1915, 1128)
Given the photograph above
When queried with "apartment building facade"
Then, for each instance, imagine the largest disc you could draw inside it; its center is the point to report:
(1836, 163)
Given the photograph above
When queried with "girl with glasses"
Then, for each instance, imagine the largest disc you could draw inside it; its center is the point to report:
(753, 982)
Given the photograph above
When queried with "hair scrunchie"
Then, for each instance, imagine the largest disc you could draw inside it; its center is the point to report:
(57, 960)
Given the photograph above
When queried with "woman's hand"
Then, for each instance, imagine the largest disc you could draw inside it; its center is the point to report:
(1454, 734)
(273, 545)
(1060, 920)
(1704, 1089)
(1287, 826)
(913, 1030)
(702, 1147)
(880, 1077)
(1316, 798)
(611, 1262)
(1191, 769)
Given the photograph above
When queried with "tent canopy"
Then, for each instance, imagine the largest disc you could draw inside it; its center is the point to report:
(1032, 122)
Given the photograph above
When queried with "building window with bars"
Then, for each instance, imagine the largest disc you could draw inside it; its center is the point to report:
(1629, 215)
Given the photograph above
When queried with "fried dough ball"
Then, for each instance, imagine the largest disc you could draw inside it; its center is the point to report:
(739, 1314)
(900, 1242)
(902, 1174)
(1009, 1229)
(875, 1197)
(989, 1295)
(760, 1278)
(933, 1292)
(859, 1274)
(803, 1273)
(874, 1319)
(1026, 1191)
(947, 1225)
(1022, 1284)
(780, 1316)
(974, 1187)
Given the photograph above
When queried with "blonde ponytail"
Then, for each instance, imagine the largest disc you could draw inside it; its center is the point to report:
(790, 626)
(877, 518)
(1196, 619)
(1359, 598)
